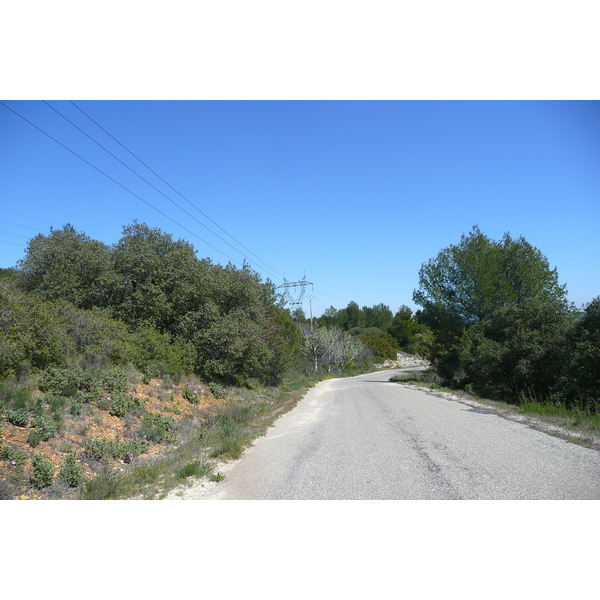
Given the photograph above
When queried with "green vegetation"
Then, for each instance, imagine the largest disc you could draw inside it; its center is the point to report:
(222, 434)
(43, 472)
(189, 361)
(500, 326)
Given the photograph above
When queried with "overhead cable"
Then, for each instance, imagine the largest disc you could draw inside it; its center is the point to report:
(115, 181)
(142, 178)
(176, 191)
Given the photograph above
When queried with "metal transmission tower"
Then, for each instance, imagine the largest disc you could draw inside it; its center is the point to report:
(291, 295)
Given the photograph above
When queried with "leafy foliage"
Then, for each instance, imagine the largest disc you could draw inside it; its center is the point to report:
(471, 280)
(157, 428)
(500, 324)
(71, 470)
(518, 350)
(67, 265)
(43, 472)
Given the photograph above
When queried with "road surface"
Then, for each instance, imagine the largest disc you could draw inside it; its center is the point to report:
(366, 438)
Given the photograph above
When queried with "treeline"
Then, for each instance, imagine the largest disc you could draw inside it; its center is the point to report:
(501, 326)
(374, 330)
(148, 300)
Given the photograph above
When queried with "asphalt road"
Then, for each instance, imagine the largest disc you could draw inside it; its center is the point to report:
(366, 438)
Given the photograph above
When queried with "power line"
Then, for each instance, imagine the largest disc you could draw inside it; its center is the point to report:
(115, 181)
(23, 226)
(15, 234)
(138, 175)
(176, 191)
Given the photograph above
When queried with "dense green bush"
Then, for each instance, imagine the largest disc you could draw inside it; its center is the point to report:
(171, 312)
(518, 350)
(71, 470)
(382, 344)
(19, 417)
(121, 404)
(43, 472)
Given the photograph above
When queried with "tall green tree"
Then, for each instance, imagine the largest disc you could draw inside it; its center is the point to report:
(158, 276)
(470, 280)
(469, 283)
(68, 265)
(379, 316)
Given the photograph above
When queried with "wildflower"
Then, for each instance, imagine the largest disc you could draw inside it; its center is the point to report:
(13, 462)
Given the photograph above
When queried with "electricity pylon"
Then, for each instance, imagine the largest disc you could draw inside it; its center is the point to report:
(290, 295)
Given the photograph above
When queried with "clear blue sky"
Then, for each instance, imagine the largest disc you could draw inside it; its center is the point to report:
(354, 194)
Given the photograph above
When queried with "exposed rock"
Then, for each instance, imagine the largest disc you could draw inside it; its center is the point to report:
(404, 361)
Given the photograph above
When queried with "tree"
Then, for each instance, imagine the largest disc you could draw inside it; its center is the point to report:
(404, 328)
(159, 278)
(471, 280)
(314, 344)
(329, 317)
(68, 265)
(467, 284)
(351, 316)
(579, 383)
(379, 316)
(518, 351)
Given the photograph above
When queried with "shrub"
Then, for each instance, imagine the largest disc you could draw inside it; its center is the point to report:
(13, 455)
(218, 391)
(157, 428)
(120, 404)
(193, 469)
(103, 449)
(34, 438)
(71, 471)
(190, 395)
(19, 417)
(43, 472)
(44, 426)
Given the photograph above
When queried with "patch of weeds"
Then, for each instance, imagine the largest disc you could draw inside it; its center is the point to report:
(228, 448)
(7, 491)
(217, 390)
(107, 485)
(15, 456)
(104, 449)
(34, 438)
(57, 403)
(191, 395)
(75, 407)
(157, 428)
(19, 417)
(426, 378)
(121, 404)
(71, 470)
(44, 426)
(193, 469)
(43, 472)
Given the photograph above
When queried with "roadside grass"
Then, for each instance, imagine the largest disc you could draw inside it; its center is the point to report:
(426, 378)
(223, 435)
(584, 420)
